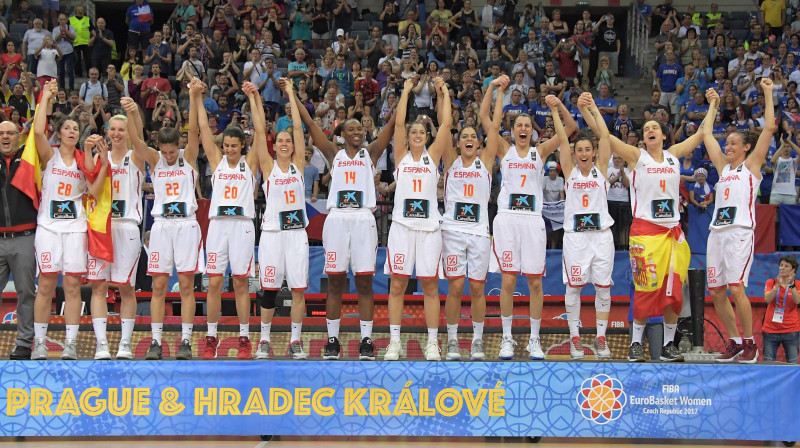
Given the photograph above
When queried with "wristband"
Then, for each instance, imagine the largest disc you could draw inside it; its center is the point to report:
(792, 285)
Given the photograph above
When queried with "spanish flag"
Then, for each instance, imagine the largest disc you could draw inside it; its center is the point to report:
(98, 210)
(28, 177)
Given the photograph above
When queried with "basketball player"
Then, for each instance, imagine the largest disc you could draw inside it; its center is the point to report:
(519, 232)
(231, 232)
(175, 240)
(730, 243)
(283, 248)
(61, 238)
(415, 241)
(658, 248)
(588, 253)
(127, 178)
(466, 245)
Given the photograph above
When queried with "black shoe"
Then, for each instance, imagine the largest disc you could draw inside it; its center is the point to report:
(670, 353)
(21, 353)
(332, 349)
(155, 352)
(184, 350)
(636, 353)
(366, 351)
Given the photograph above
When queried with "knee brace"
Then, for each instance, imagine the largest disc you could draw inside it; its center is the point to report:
(267, 299)
(602, 302)
(572, 302)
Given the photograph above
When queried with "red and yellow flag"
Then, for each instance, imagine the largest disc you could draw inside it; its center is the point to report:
(98, 210)
(28, 177)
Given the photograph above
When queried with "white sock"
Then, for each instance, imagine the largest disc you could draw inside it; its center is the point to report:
(669, 333)
(452, 332)
(750, 339)
(535, 324)
(265, 331)
(72, 331)
(477, 330)
(40, 330)
(394, 333)
(572, 302)
(127, 329)
(156, 330)
(737, 340)
(601, 327)
(99, 325)
(638, 333)
(296, 329)
(186, 332)
(573, 328)
(333, 327)
(506, 321)
(366, 329)
(433, 334)
(244, 330)
(212, 329)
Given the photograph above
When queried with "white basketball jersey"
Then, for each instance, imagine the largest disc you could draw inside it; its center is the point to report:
(286, 204)
(521, 189)
(586, 207)
(655, 189)
(233, 188)
(61, 209)
(466, 198)
(173, 186)
(415, 199)
(735, 201)
(126, 190)
(352, 182)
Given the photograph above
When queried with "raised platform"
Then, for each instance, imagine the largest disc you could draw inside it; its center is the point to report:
(350, 398)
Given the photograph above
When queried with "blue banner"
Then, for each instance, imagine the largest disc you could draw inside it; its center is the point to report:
(559, 399)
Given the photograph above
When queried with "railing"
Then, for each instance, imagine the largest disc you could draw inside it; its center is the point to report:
(638, 36)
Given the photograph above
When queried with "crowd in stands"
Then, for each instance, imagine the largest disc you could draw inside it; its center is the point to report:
(350, 63)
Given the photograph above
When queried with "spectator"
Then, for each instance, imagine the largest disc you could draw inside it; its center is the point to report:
(781, 326)
(47, 56)
(216, 47)
(666, 81)
(553, 83)
(139, 18)
(409, 41)
(64, 36)
(343, 14)
(135, 84)
(24, 15)
(256, 67)
(773, 12)
(466, 21)
(268, 85)
(690, 43)
(192, 67)
(102, 42)
(509, 44)
(553, 184)
(343, 77)
(311, 176)
(784, 167)
(527, 68)
(184, 14)
(301, 23)
(159, 52)
(701, 194)
(607, 106)
(32, 41)
(604, 74)
(565, 53)
(646, 11)
(391, 21)
(83, 32)
(11, 63)
(115, 87)
(619, 202)
(152, 87)
(320, 24)
(92, 87)
(663, 13)
(608, 41)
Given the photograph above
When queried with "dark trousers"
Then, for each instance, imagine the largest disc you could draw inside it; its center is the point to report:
(17, 258)
(66, 67)
(82, 59)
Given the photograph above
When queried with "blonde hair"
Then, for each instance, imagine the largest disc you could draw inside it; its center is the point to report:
(604, 59)
(123, 119)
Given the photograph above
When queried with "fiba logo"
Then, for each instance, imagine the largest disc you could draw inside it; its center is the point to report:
(601, 399)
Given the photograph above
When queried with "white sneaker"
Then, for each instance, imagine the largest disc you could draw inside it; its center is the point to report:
(393, 351)
(102, 352)
(70, 351)
(476, 351)
(124, 351)
(535, 349)
(507, 348)
(575, 348)
(601, 345)
(453, 350)
(263, 349)
(432, 350)
(39, 349)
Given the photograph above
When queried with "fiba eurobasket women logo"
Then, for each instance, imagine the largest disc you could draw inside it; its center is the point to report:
(601, 399)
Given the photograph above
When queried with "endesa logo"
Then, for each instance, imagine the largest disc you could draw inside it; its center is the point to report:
(601, 399)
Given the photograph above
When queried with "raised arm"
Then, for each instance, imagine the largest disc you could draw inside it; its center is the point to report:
(96, 187)
(298, 138)
(594, 119)
(443, 139)
(200, 121)
(688, 146)
(135, 127)
(547, 148)
(759, 153)
(327, 147)
(565, 155)
(40, 122)
(379, 145)
(259, 124)
(712, 145)
(400, 148)
(193, 145)
(491, 126)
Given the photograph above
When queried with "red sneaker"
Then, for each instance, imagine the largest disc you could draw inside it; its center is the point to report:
(749, 353)
(210, 352)
(245, 348)
(733, 351)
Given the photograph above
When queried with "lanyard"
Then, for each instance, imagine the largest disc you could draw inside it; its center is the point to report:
(785, 296)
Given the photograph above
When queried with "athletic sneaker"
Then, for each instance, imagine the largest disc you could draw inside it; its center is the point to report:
(507, 348)
(245, 350)
(124, 351)
(366, 351)
(733, 351)
(453, 350)
(102, 352)
(535, 349)
(432, 350)
(670, 353)
(295, 350)
(601, 347)
(210, 352)
(155, 352)
(636, 352)
(749, 353)
(476, 351)
(332, 349)
(70, 351)
(575, 348)
(39, 349)
(263, 350)
(393, 351)
(184, 351)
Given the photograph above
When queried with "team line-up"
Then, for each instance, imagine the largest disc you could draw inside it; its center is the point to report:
(420, 238)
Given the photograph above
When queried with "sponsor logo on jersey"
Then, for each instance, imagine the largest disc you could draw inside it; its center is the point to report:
(725, 216)
(585, 222)
(117, 208)
(230, 210)
(174, 210)
(416, 208)
(522, 202)
(467, 212)
(63, 210)
(349, 199)
(292, 219)
(663, 208)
